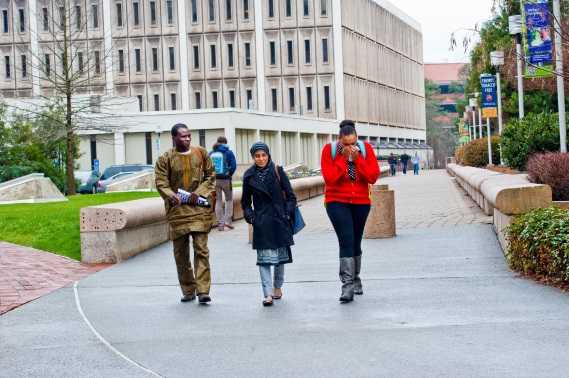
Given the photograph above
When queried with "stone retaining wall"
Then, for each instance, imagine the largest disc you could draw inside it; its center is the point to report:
(33, 188)
(501, 195)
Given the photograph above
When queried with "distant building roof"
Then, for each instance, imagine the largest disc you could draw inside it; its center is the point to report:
(442, 73)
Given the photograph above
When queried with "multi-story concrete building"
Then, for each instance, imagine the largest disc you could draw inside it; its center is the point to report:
(327, 59)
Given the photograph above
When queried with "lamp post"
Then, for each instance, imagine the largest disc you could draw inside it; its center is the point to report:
(560, 76)
(515, 27)
(473, 104)
(497, 60)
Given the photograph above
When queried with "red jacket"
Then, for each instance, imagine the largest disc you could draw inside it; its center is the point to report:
(339, 187)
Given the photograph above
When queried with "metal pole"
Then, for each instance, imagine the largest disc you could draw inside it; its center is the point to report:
(489, 141)
(520, 76)
(499, 87)
(559, 74)
(480, 122)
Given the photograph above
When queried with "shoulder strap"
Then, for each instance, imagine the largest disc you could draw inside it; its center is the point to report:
(362, 147)
(277, 173)
(334, 148)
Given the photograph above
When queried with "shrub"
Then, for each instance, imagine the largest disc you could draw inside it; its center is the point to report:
(552, 169)
(475, 153)
(522, 138)
(539, 243)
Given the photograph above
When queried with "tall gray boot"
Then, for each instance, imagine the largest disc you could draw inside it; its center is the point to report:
(347, 273)
(358, 289)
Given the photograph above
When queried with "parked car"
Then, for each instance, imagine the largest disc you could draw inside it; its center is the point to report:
(88, 181)
(116, 172)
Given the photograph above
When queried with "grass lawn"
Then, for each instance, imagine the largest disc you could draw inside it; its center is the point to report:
(54, 227)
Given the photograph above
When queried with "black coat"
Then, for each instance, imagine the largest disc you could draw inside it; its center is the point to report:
(265, 207)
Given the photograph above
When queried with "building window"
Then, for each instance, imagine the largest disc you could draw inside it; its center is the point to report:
(97, 63)
(288, 8)
(198, 97)
(119, 14)
(230, 54)
(7, 65)
(148, 140)
(135, 13)
(201, 135)
(22, 17)
(307, 57)
(323, 7)
(139, 97)
(309, 99)
(154, 59)
(326, 97)
(273, 52)
(5, 25)
(62, 17)
(214, 99)
(196, 57)
(121, 61)
(47, 65)
(231, 98)
(213, 56)
(291, 99)
(156, 102)
(228, 10)
(271, 7)
(173, 100)
(172, 56)
(153, 12)
(170, 12)
(246, 9)
(274, 99)
(305, 8)
(249, 98)
(137, 60)
(289, 52)
(78, 22)
(80, 62)
(95, 13)
(194, 11)
(325, 50)
(247, 54)
(211, 10)
(45, 19)
(24, 66)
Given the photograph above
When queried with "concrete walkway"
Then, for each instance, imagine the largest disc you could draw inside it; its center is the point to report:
(439, 301)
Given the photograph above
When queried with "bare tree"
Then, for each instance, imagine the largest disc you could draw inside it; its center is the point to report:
(70, 68)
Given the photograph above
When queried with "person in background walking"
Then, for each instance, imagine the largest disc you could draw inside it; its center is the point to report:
(392, 160)
(349, 168)
(416, 160)
(225, 165)
(269, 204)
(404, 161)
(188, 168)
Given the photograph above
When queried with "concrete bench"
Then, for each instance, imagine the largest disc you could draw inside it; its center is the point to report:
(501, 195)
(114, 232)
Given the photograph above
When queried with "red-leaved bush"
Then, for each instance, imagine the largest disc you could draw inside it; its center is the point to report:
(551, 168)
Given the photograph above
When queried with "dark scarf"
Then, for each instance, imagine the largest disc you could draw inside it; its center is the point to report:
(351, 164)
(263, 173)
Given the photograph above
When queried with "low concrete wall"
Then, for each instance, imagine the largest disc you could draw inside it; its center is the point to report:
(114, 232)
(33, 188)
(501, 195)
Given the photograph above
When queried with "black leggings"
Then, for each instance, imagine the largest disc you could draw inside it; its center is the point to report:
(349, 222)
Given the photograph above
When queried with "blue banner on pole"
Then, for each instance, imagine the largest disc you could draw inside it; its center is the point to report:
(538, 41)
(489, 95)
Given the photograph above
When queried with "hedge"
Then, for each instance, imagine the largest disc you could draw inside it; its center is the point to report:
(475, 153)
(539, 243)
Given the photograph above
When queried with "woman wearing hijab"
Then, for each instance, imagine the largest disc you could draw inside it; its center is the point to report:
(349, 168)
(269, 203)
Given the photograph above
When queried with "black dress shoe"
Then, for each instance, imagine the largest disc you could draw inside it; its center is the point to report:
(188, 298)
(204, 298)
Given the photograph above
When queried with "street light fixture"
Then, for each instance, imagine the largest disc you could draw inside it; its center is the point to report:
(515, 27)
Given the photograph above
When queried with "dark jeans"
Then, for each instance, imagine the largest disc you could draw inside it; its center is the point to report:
(393, 169)
(349, 222)
(404, 168)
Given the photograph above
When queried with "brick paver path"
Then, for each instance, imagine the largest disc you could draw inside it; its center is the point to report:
(27, 274)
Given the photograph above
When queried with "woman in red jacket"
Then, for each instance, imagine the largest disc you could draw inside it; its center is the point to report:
(349, 168)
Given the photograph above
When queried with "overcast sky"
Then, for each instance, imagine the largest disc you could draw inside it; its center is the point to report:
(440, 18)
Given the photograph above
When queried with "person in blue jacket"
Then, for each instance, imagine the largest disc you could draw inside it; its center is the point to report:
(225, 165)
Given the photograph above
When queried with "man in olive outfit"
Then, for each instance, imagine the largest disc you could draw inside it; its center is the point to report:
(189, 168)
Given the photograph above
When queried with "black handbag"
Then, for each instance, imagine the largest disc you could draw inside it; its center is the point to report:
(298, 222)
